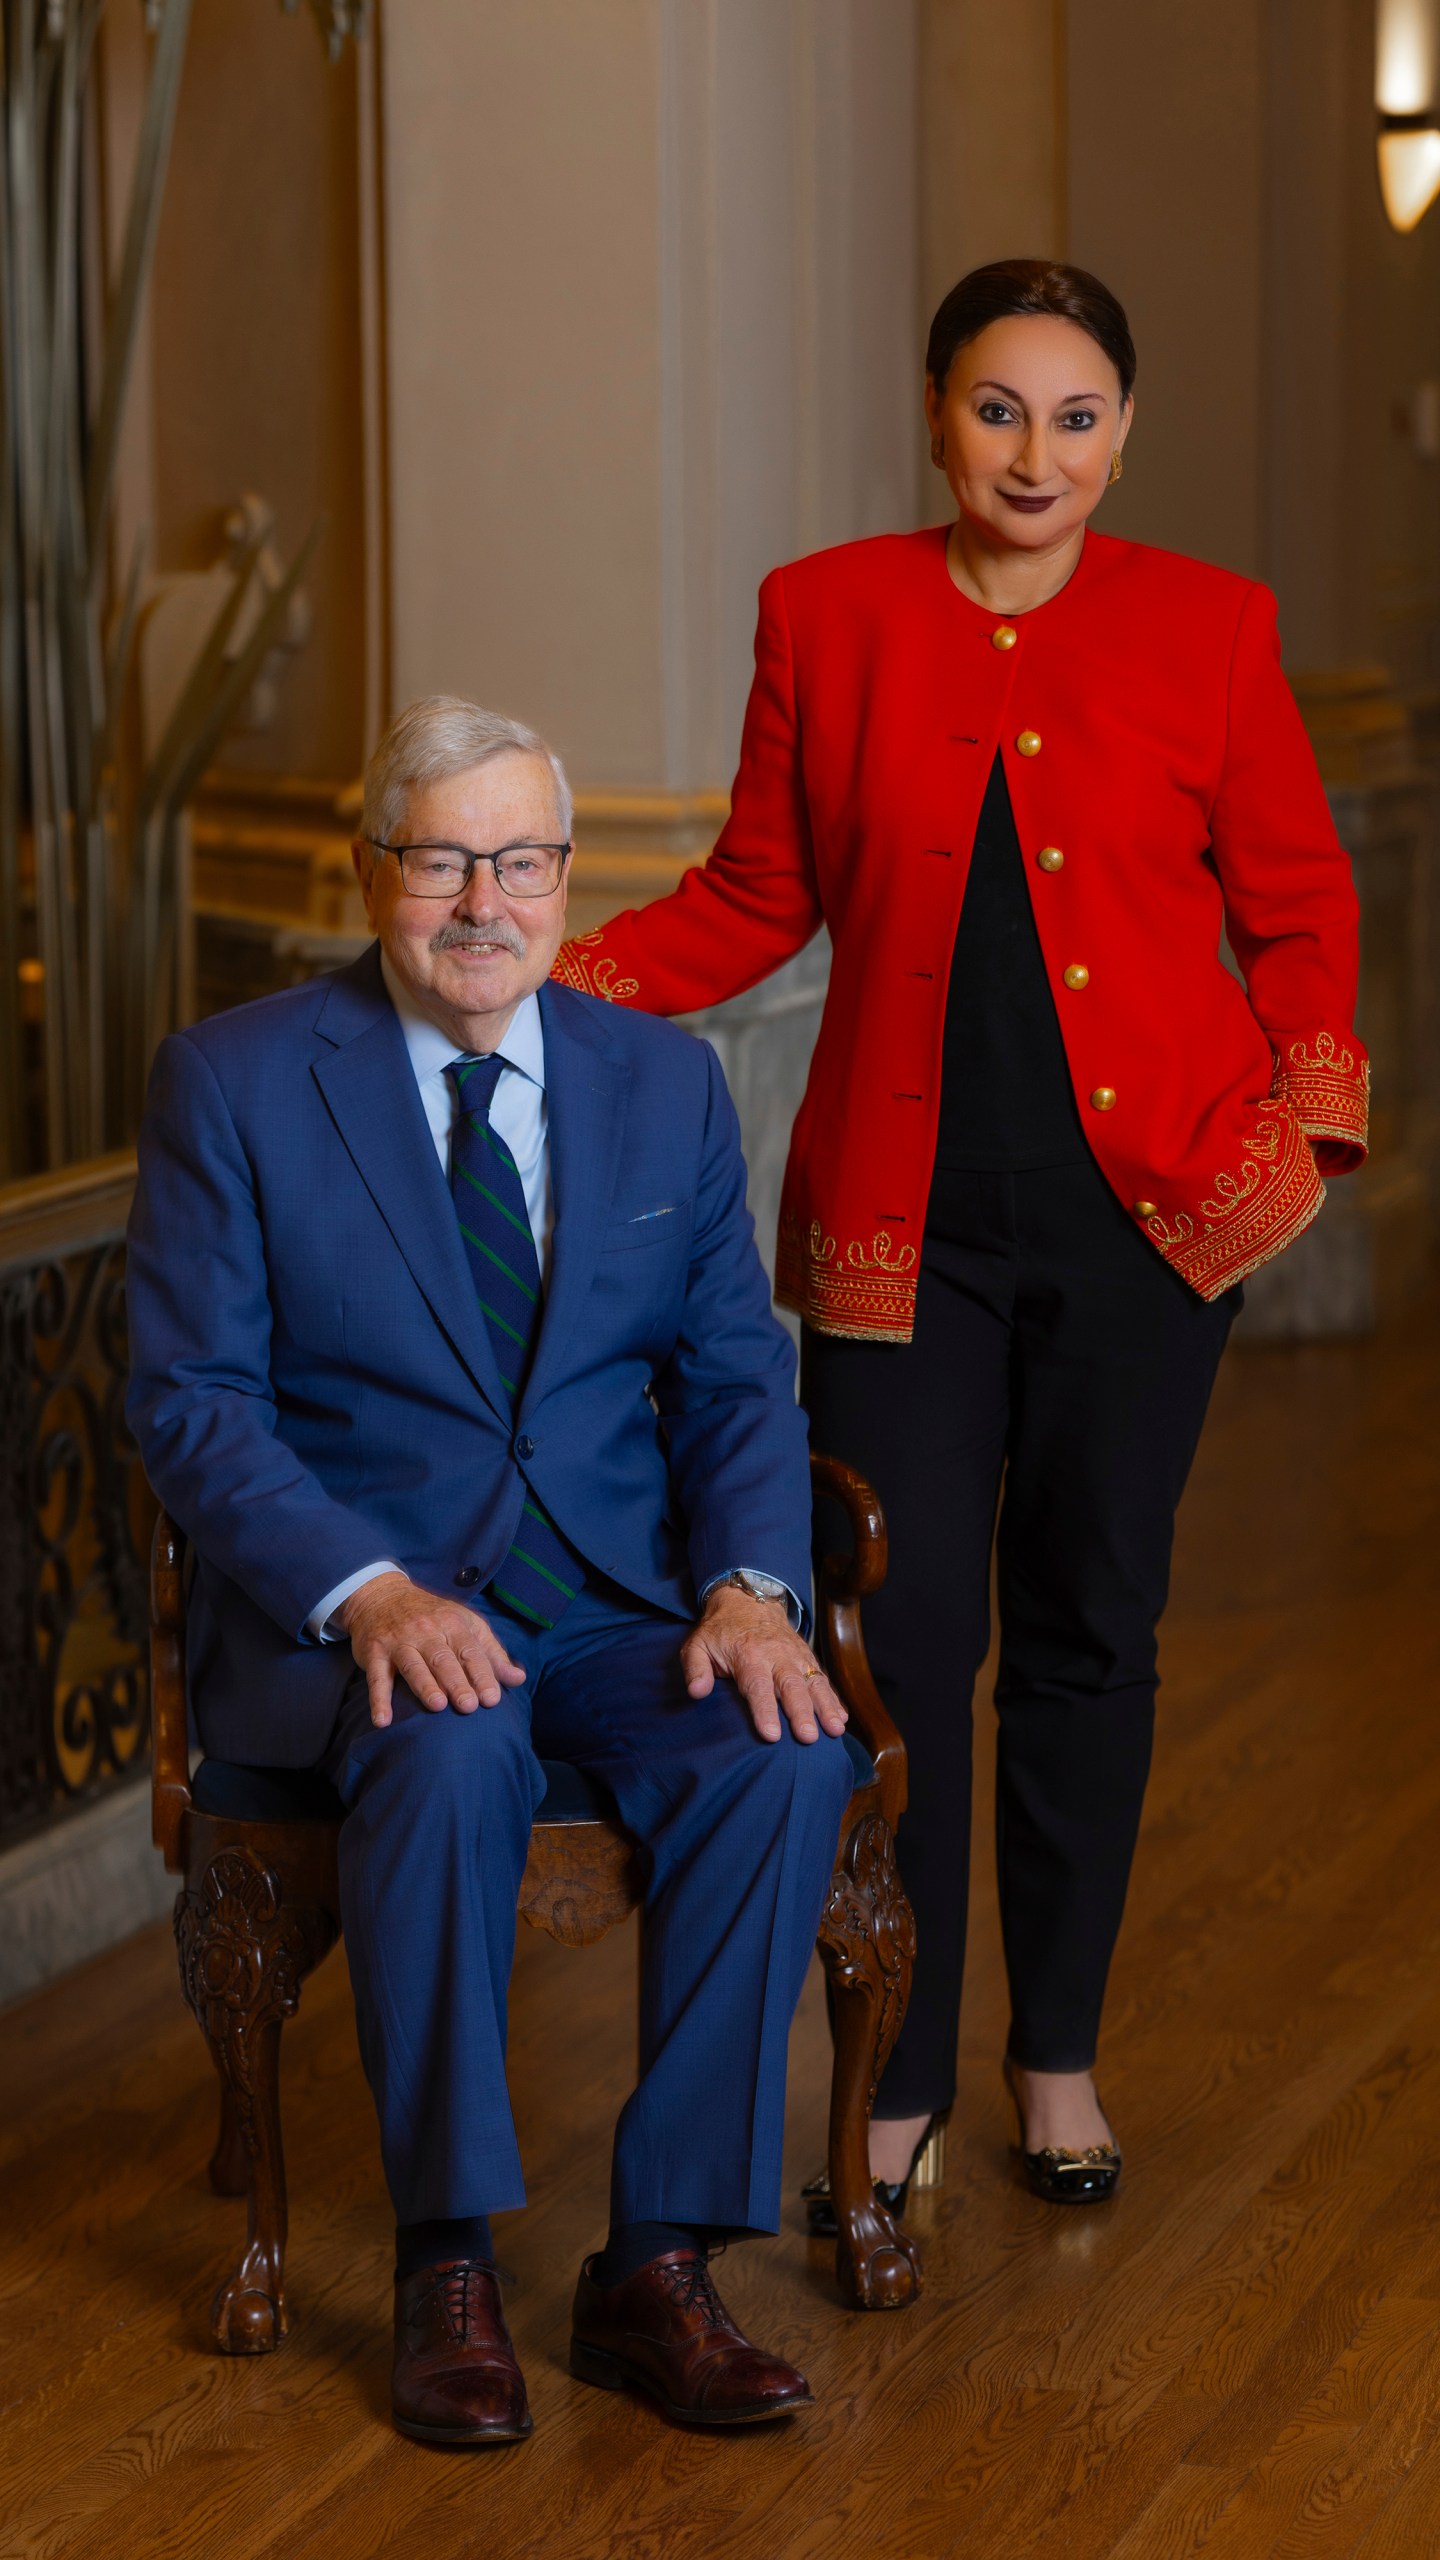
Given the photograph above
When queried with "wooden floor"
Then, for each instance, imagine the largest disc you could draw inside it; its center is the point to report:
(1240, 2357)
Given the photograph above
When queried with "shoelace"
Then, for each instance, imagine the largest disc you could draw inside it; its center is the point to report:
(453, 2287)
(690, 2287)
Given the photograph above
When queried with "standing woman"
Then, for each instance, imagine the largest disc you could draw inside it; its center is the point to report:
(1025, 773)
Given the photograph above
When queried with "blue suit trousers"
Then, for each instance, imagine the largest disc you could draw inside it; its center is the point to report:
(738, 1839)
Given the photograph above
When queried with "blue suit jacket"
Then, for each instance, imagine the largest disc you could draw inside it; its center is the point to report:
(312, 1383)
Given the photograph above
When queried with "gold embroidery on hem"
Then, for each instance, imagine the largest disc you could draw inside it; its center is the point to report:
(868, 1296)
(1252, 1215)
(880, 1256)
(838, 1327)
(1270, 1251)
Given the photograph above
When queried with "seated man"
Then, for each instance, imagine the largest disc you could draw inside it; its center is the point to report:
(453, 1354)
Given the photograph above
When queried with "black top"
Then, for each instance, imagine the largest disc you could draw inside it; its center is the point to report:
(1006, 1100)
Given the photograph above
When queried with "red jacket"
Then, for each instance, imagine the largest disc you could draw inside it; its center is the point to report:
(1162, 785)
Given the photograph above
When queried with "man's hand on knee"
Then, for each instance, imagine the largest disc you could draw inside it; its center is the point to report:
(753, 1643)
(446, 1654)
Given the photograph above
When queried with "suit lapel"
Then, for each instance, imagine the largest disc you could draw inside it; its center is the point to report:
(587, 1092)
(370, 1091)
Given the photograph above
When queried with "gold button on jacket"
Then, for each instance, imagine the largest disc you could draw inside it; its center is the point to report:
(1028, 742)
(1004, 637)
(1077, 975)
(1050, 858)
(1147, 1209)
(1103, 1098)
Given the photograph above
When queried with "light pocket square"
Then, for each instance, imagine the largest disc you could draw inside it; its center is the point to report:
(667, 1212)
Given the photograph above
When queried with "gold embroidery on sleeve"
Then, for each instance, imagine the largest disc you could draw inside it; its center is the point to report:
(598, 976)
(1328, 1089)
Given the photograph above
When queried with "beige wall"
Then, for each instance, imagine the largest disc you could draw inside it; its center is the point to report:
(1317, 124)
(1222, 177)
(657, 278)
(255, 346)
(1165, 140)
(1383, 524)
(992, 110)
(1127, 137)
(1214, 160)
(992, 153)
(521, 181)
(641, 321)
(651, 316)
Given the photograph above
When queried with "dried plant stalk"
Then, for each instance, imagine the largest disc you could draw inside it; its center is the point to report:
(102, 847)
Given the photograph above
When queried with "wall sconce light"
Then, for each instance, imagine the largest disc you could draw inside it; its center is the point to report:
(1407, 77)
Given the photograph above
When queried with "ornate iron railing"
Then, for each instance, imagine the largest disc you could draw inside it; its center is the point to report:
(74, 1507)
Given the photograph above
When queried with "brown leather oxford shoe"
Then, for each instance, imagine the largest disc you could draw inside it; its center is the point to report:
(456, 2380)
(666, 2331)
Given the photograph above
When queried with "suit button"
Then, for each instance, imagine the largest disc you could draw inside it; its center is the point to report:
(1103, 1098)
(1004, 636)
(1146, 1209)
(525, 1446)
(1077, 975)
(467, 1577)
(1050, 858)
(1028, 742)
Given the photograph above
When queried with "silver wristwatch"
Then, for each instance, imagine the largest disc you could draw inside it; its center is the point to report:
(761, 1586)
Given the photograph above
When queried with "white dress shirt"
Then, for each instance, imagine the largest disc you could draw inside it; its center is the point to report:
(518, 1114)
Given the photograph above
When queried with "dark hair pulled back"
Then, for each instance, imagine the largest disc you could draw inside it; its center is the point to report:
(1017, 288)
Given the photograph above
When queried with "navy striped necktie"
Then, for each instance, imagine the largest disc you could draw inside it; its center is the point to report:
(542, 1573)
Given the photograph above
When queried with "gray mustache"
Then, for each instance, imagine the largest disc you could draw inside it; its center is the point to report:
(454, 936)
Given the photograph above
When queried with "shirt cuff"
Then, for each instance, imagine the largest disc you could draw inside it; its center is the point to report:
(797, 1614)
(318, 1623)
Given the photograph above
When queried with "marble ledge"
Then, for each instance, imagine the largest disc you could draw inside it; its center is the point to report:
(78, 1887)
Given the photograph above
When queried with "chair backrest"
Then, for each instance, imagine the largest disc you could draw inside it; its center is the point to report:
(169, 1723)
(841, 1583)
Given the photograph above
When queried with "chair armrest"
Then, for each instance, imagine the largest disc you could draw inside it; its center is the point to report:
(169, 1731)
(841, 1583)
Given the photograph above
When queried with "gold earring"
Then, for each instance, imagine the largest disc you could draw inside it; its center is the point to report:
(1116, 467)
(937, 451)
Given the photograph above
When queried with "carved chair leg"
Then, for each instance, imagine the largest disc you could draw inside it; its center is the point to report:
(867, 1945)
(229, 2161)
(243, 1957)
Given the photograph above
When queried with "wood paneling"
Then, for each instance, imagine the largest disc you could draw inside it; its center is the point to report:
(1241, 2357)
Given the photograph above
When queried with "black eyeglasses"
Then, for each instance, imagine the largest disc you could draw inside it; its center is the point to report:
(445, 870)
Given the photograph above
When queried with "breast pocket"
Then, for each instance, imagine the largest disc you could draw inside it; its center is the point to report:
(668, 1223)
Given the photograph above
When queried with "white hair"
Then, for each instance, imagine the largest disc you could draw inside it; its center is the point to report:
(433, 740)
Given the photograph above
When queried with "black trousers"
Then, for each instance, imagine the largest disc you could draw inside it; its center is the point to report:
(1054, 1354)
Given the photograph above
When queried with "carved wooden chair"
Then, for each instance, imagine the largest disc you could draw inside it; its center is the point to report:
(260, 1907)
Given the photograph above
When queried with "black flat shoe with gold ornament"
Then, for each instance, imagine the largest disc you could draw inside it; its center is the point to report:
(927, 2169)
(1065, 2177)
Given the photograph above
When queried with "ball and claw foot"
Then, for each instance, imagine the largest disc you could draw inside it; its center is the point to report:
(249, 2315)
(877, 2265)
